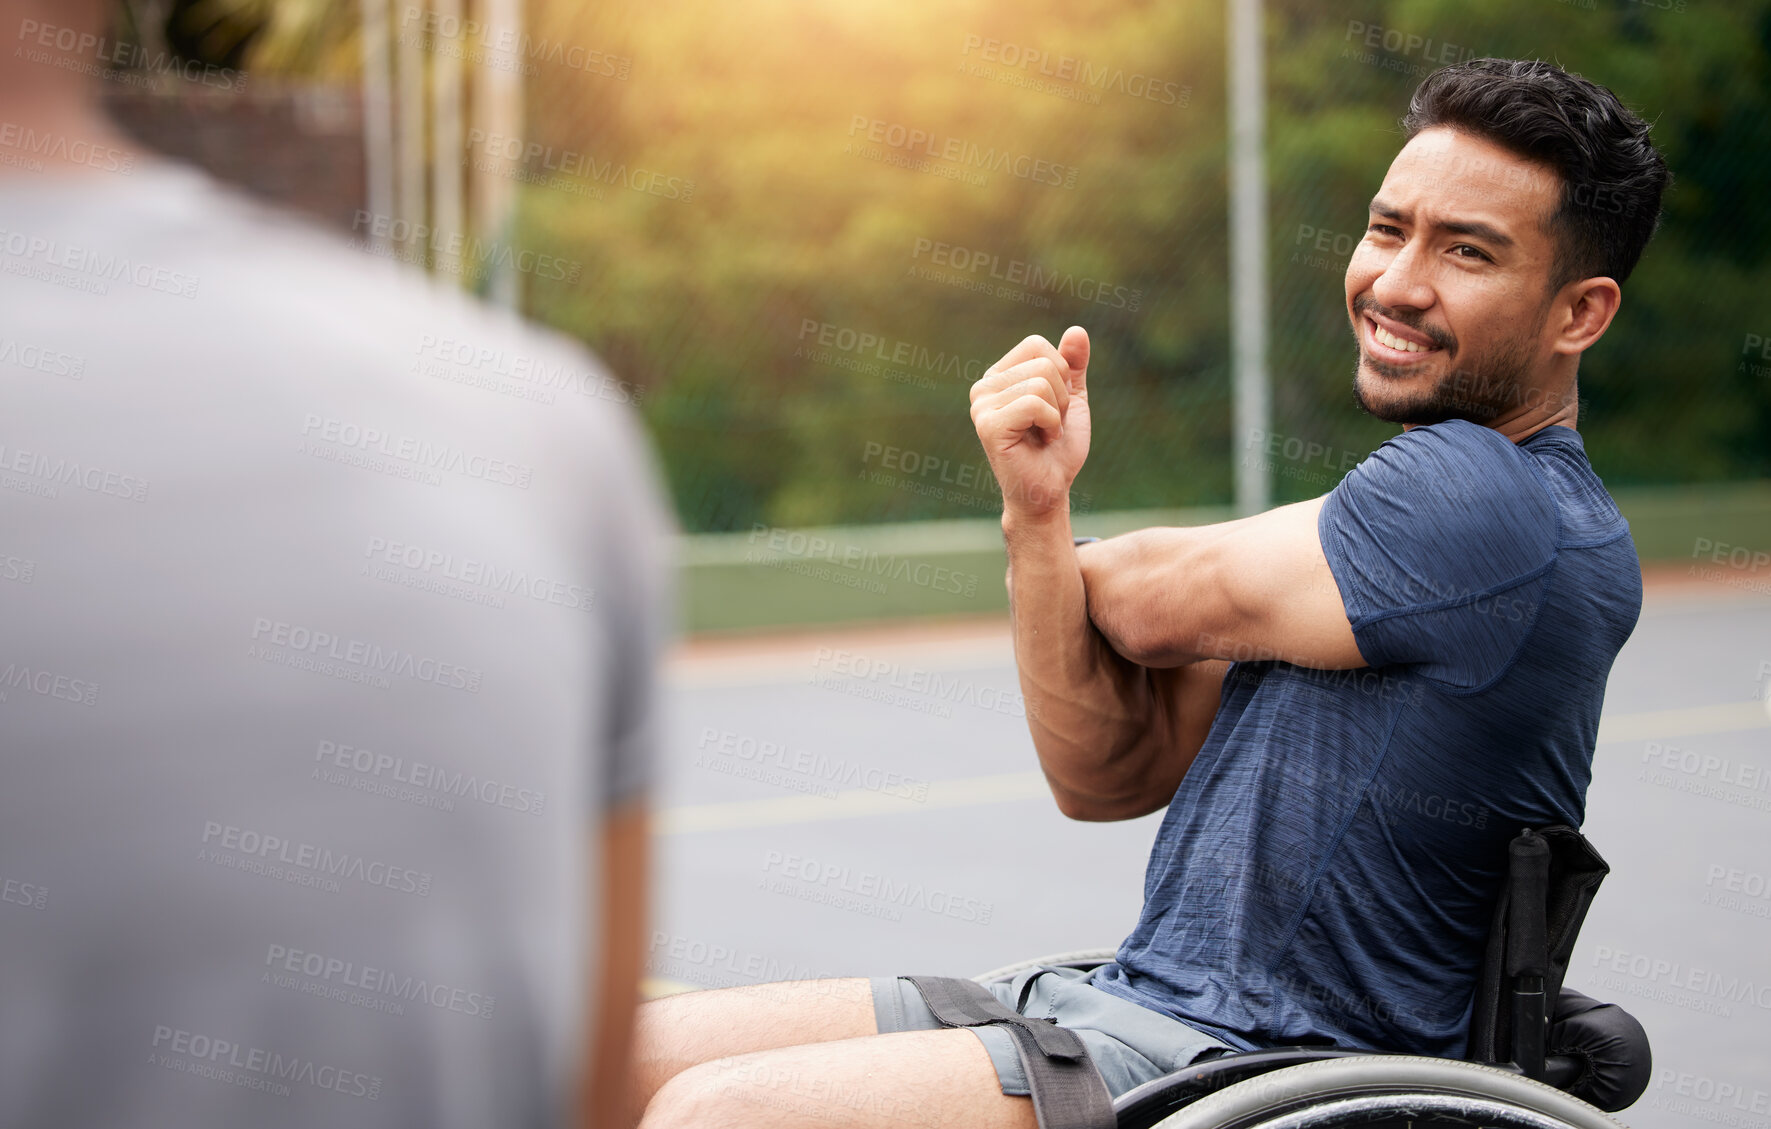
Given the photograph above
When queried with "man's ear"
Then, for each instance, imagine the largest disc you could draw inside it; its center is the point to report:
(1585, 310)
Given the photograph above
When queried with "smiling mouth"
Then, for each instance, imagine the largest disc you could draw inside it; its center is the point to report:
(1388, 347)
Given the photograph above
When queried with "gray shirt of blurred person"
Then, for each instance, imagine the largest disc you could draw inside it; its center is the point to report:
(331, 601)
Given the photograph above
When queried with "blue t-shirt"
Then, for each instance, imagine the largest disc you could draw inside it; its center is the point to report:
(1327, 869)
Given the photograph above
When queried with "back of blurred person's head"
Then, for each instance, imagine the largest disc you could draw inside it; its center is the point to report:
(331, 600)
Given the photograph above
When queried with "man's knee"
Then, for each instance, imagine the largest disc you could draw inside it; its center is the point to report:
(700, 1096)
(675, 1034)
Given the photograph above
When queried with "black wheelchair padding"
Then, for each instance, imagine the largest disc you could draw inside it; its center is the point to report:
(1068, 1092)
(1597, 1052)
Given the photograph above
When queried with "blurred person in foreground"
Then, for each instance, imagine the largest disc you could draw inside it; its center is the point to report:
(1348, 705)
(326, 685)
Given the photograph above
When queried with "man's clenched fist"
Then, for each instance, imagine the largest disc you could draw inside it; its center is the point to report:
(1031, 412)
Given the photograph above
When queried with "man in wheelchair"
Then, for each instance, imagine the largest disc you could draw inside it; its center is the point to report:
(1349, 706)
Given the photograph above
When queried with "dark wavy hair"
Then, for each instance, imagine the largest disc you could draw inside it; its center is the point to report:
(1612, 176)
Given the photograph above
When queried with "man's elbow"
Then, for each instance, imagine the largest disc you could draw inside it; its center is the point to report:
(1124, 631)
(1135, 611)
(1147, 642)
(1098, 809)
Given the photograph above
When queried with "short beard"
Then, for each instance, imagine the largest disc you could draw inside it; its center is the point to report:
(1479, 393)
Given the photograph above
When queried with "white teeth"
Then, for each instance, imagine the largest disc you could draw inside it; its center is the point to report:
(1386, 337)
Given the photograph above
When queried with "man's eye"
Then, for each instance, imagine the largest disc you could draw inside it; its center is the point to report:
(1474, 253)
(1383, 229)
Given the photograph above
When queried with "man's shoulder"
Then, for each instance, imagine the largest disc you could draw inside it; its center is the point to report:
(1456, 478)
(1450, 447)
(1439, 513)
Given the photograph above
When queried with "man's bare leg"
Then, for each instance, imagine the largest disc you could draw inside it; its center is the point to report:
(729, 1057)
(675, 1033)
(904, 1080)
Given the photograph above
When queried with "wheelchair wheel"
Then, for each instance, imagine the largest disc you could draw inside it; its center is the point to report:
(1385, 1091)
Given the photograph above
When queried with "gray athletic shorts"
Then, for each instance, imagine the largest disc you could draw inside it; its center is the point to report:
(1130, 1044)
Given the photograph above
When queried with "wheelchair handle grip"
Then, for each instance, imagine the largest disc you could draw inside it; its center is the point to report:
(1528, 946)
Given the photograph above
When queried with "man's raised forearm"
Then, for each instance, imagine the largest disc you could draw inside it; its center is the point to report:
(1087, 708)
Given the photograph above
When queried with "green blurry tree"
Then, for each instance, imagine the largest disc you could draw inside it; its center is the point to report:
(806, 227)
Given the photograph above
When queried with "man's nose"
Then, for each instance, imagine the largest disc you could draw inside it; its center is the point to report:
(1406, 281)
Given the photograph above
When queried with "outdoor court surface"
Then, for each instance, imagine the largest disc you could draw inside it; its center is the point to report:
(867, 802)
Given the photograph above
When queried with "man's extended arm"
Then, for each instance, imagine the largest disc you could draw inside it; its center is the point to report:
(1118, 714)
(1247, 590)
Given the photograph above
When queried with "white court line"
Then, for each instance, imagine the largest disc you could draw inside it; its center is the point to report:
(1689, 722)
(974, 791)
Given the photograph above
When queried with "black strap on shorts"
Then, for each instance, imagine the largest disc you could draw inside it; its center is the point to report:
(1068, 1092)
